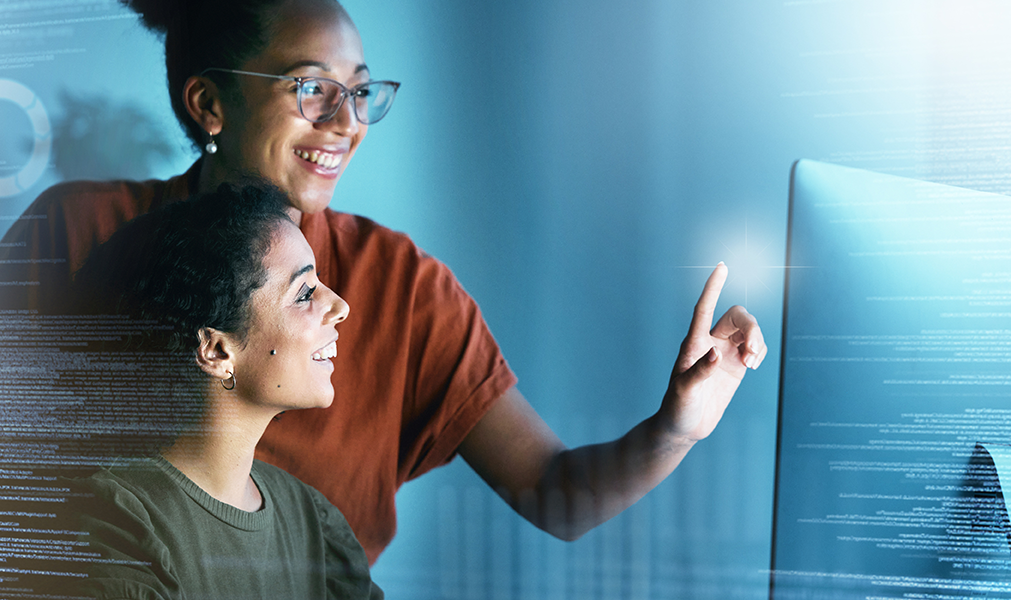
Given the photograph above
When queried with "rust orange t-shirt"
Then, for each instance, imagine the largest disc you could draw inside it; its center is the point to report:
(417, 366)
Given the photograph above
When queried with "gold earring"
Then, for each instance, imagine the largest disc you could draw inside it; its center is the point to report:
(231, 377)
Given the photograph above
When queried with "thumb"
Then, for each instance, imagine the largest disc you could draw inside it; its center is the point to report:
(698, 372)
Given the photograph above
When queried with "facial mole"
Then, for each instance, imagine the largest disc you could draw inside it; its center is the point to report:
(273, 352)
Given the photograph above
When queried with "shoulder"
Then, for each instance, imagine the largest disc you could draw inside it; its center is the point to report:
(112, 493)
(120, 199)
(347, 566)
(69, 219)
(129, 560)
(287, 491)
(123, 499)
(378, 252)
(274, 477)
(290, 495)
(356, 231)
(95, 194)
(76, 209)
(74, 216)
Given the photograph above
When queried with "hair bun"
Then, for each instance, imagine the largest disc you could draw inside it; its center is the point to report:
(158, 15)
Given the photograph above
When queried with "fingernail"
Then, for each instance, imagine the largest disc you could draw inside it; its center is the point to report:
(720, 263)
(714, 354)
(750, 363)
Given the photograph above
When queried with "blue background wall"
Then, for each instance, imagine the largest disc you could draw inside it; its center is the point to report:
(575, 163)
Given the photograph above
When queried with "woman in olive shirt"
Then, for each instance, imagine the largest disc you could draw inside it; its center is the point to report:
(244, 331)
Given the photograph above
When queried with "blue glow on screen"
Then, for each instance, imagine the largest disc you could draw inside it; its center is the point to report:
(895, 367)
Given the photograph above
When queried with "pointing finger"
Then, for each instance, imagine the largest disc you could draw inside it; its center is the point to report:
(702, 318)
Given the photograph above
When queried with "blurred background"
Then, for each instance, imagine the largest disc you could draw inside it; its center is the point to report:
(581, 166)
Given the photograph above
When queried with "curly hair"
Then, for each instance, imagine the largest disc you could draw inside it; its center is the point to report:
(153, 286)
(190, 265)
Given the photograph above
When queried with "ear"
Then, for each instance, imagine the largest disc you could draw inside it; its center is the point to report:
(216, 353)
(202, 100)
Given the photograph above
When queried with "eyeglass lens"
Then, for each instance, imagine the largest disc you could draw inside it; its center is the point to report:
(319, 99)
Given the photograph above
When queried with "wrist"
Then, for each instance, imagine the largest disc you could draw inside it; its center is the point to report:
(665, 432)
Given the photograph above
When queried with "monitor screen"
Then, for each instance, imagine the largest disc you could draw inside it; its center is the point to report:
(895, 392)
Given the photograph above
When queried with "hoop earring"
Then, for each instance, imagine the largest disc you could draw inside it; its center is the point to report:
(231, 377)
(211, 147)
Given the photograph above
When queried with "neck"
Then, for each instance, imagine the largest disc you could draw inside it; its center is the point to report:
(213, 173)
(217, 454)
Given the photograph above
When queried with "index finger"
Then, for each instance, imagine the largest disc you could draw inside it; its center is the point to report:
(702, 318)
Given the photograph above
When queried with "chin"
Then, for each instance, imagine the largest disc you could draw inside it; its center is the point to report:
(314, 205)
(325, 398)
(323, 402)
(312, 195)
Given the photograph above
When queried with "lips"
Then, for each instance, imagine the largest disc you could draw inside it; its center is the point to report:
(326, 352)
(326, 160)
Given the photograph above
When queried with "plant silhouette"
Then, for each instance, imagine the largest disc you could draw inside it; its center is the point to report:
(96, 139)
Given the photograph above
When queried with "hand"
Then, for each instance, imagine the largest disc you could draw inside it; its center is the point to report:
(711, 364)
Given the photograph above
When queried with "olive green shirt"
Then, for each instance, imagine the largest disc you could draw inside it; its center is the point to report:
(154, 534)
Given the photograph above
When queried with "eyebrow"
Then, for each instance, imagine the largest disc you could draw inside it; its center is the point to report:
(321, 65)
(299, 273)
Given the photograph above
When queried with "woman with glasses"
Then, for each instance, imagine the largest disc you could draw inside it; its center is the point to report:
(280, 88)
(237, 328)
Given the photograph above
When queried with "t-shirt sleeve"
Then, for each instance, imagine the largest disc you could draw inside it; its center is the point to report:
(33, 255)
(127, 560)
(347, 568)
(52, 239)
(460, 369)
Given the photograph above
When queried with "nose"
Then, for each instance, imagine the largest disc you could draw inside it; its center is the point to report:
(338, 310)
(344, 121)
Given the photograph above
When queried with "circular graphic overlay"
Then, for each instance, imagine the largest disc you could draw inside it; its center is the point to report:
(30, 173)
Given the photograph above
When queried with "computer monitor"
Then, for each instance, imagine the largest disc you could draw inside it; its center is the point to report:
(895, 386)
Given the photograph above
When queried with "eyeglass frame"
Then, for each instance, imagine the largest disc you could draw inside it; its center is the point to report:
(346, 92)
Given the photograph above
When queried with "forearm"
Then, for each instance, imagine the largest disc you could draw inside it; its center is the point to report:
(567, 492)
(585, 486)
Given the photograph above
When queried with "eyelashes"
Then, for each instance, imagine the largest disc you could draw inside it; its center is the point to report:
(305, 294)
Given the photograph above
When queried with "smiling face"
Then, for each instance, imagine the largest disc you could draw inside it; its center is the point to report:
(262, 130)
(285, 362)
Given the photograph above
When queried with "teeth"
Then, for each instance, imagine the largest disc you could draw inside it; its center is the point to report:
(323, 159)
(326, 353)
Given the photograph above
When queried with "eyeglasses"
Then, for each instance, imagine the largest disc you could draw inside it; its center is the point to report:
(320, 98)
